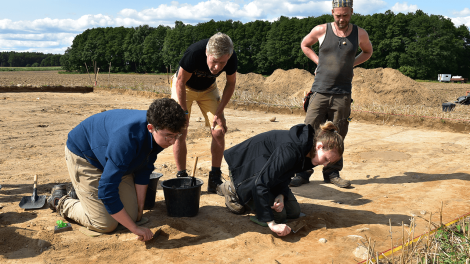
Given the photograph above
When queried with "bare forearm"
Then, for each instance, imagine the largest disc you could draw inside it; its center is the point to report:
(140, 190)
(181, 94)
(228, 92)
(124, 219)
(362, 57)
(310, 54)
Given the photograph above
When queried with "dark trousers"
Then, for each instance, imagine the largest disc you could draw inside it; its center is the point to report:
(291, 208)
(329, 107)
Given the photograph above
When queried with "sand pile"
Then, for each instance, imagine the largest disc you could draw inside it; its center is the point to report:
(389, 86)
(289, 83)
(281, 82)
(379, 86)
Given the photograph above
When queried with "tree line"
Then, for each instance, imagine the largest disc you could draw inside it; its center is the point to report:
(417, 44)
(28, 59)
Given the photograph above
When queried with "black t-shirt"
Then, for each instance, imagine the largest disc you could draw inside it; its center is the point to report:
(195, 61)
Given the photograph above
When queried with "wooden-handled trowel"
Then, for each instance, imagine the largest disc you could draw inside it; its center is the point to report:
(193, 179)
(34, 201)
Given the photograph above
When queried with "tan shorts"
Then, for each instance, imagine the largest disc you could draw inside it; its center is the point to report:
(207, 100)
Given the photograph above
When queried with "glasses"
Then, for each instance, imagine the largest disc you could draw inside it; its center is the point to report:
(168, 138)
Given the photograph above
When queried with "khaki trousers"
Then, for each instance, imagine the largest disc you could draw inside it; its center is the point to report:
(88, 210)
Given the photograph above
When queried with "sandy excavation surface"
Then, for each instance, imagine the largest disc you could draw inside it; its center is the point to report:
(397, 172)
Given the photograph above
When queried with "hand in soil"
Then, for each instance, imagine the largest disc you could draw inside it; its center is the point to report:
(279, 229)
(143, 234)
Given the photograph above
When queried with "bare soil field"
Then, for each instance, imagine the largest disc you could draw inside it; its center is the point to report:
(398, 171)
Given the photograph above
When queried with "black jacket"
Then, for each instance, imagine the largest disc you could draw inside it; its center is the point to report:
(266, 163)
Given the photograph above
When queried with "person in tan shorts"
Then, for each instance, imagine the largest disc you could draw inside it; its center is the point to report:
(110, 157)
(195, 81)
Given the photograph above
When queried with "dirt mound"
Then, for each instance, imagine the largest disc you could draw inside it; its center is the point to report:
(389, 86)
(250, 82)
(281, 82)
(380, 86)
(289, 82)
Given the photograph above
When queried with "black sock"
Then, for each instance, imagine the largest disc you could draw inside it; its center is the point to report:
(216, 169)
(181, 172)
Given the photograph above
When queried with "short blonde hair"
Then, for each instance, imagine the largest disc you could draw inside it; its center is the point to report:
(219, 45)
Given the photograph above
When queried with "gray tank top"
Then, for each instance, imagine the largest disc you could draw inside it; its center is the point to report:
(336, 61)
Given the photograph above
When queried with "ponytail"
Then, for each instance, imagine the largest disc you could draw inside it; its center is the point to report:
(330, 138)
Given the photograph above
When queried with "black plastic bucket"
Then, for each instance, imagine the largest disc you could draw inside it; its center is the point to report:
(182, 199)
(152, 191)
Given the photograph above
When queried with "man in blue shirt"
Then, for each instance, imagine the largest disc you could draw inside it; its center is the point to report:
(110, 157)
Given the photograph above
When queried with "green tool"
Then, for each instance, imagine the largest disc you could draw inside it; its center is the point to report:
(62, 226)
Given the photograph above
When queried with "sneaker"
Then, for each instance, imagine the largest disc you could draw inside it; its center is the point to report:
(231, 199)
(57, 192)
(298, 181)
(72, 194)
(214, 181)
(182, 174)
(338, 181)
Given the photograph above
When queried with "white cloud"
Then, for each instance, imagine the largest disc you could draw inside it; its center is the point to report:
(63, 38)
(57, 34)
(203, 11)
(224, 9)
(464, 12)
(21, 43)
(63, 25)
(461, 21)
(404, 8)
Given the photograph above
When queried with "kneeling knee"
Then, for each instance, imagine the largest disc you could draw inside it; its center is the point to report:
(293, 213)
(218, 133)
(106, 227)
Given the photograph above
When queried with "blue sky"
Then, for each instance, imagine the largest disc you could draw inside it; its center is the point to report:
(50, 26)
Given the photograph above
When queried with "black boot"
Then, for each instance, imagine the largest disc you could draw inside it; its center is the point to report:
(182, 174)
(214, 181)
(301, 178)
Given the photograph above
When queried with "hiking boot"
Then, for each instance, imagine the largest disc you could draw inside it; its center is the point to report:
(227, 189)
(214, 181)
(300, 178)
(57, 192)
(182, 174)
(298, 181)
(338, 181)
(72, 194)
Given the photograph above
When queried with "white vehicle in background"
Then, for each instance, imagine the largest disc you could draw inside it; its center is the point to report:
(444, 77)
(450, 78)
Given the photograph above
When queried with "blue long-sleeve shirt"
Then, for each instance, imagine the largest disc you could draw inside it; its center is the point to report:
(118, 143)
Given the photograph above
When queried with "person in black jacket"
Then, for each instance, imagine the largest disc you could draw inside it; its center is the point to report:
(261, 169)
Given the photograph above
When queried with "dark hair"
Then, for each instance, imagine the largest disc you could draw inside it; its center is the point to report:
(328, 135)
(166, 113)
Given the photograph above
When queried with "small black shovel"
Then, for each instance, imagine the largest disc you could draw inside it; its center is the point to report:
(35, 201)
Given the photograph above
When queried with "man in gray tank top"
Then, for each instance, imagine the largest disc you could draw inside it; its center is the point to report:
(331, 98)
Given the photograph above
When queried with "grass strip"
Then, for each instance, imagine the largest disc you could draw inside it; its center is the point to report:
(6, 69)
